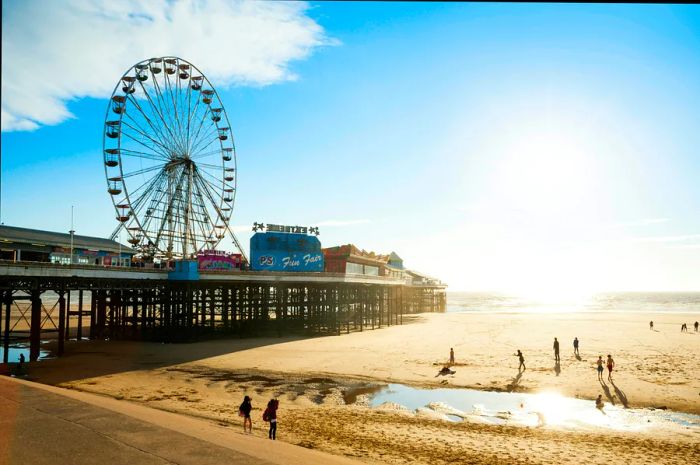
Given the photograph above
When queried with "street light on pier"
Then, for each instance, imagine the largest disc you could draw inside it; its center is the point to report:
(72, 232)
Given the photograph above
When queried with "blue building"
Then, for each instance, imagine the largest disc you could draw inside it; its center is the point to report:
(283, 251)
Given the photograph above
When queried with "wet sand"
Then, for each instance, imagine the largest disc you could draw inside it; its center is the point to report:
(315, 378)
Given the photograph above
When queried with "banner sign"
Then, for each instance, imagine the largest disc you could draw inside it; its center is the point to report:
(269, 260)
(285, 229)
(218, 260)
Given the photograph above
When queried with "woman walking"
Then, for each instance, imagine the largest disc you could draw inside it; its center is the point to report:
(600, 368)
(244, 411)
(271, 416)
(611, 365)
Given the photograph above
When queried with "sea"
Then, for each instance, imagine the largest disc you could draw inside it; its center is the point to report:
(634, 302)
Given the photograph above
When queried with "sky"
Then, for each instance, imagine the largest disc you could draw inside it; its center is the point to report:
(525, 148)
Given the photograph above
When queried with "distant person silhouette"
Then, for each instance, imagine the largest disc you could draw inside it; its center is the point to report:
(522, 360)
(684, 328)
(452, 356)
(576, 345)
(611, 365)
(651, 325)
(556, 349)
(600, 367)
(696, 326)
(20, 367)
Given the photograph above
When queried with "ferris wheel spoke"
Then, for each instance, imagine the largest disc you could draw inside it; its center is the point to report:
(136, 127)
(190, 110)
(156, 131)
(156, 197)
(213, 191)
(147, 185)
(207, 218)
(156, 154)
(169, 86)
(224, 219)
(201, 148)
(214, 181)
(139, 154)
(195, 138)
(163, 149)
(206, 154)
(158, 110)
(143, 171)
(210, 195)
(162, 105)
(210, 165)
(201, 190)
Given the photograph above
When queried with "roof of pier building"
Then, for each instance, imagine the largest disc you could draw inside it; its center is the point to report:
(36, 237)
(351, 253)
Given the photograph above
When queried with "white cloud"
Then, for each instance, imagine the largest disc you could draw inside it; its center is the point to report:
(54, 51)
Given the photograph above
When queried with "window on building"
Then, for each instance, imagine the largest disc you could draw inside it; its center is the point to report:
(60, 259)
(371, 270)
(353, 268)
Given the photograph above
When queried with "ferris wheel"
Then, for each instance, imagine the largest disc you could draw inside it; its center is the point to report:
(169, 159)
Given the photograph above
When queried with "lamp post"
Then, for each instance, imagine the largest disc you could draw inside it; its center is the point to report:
(72, 232)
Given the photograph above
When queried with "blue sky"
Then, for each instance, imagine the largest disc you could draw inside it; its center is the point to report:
(498, 147)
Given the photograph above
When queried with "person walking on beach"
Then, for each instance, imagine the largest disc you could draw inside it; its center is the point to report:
(270, 415)
(576, 345)
(522, 361)
(684, 328)
(611, 365)
(696, 326)
(651, 325)
(600, 368)
(452, 356)
(244, 411)
(556, 349)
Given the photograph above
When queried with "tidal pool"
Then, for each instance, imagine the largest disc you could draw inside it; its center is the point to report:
(540, 409)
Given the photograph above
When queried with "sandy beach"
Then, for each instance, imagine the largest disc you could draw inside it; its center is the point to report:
(316, 378)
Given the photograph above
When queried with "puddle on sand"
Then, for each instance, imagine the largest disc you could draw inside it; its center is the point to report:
(16, 349)
(547, 408)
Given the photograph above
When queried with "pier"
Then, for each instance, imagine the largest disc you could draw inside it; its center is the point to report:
(65, 302)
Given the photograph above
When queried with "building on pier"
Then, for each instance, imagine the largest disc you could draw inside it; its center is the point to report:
(34, 245)
(349, 259)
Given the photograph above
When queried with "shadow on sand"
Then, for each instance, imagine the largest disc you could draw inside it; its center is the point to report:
(515, 382)
(578, 357)
(607, 392)
(557, 368)
(620, 395)
(95, 358)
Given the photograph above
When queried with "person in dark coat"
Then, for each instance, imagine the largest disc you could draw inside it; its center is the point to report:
(244, 411)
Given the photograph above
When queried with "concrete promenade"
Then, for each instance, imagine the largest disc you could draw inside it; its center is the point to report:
(49, 425)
